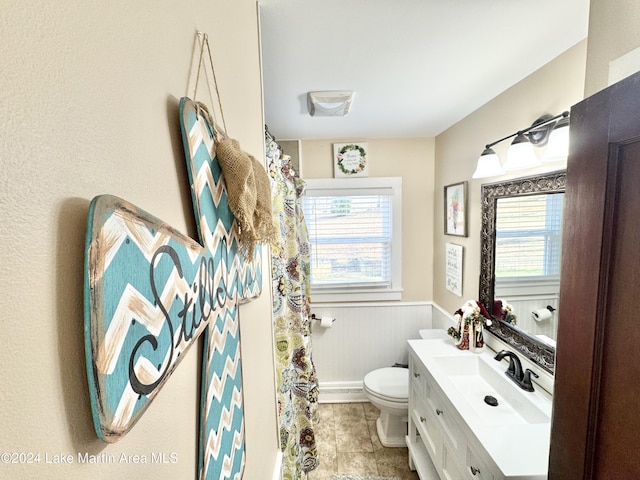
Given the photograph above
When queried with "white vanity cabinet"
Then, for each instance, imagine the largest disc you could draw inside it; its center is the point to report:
(435, 430)
(446, 438)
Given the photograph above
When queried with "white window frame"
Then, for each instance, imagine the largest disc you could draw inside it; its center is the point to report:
(523, 286)
(346, 186)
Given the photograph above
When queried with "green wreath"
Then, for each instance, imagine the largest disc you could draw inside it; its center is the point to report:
(361, 164)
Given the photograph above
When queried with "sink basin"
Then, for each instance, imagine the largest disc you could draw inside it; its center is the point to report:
(474, 378)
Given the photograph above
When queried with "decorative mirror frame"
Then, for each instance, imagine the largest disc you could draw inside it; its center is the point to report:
(528, 345)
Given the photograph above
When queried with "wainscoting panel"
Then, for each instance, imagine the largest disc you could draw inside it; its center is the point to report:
(363, 337)
(525, 306)
(441, 318)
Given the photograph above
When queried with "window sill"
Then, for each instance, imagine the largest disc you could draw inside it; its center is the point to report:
(355, 296)
(526, 287)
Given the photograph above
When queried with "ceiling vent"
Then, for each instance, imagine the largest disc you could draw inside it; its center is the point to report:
(329, 104)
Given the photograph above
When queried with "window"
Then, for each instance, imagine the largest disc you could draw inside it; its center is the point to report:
(355, 237)
(529, 239)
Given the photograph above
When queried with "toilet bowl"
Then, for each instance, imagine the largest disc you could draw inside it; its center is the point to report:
(388, 389)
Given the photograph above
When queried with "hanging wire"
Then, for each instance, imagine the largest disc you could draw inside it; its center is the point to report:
(205, 41)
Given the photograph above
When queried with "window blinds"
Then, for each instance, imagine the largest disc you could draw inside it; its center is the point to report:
(529, 236)
(350, 237)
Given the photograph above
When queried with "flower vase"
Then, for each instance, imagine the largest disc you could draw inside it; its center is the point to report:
(477, 338)
(463, 344)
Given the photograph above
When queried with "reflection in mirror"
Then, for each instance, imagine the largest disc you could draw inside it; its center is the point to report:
(527, 263)
(521, 242)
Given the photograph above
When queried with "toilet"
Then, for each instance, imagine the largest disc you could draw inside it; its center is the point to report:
(388, 389)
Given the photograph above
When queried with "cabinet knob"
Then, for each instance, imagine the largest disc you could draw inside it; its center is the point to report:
(439, 412)
(416, 374)
(422, 419)
(474, 470)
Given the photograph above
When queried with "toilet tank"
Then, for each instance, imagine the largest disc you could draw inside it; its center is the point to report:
(431, 333)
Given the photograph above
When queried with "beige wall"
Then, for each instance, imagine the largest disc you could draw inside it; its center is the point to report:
(88, 95)
(613, 32)
(552, 89)
(413, 160)
(89, 99)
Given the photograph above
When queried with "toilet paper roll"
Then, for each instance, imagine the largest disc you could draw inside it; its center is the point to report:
(326, 322)
(541, 315)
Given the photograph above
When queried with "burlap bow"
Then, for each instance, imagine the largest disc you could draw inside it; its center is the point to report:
(249, 193)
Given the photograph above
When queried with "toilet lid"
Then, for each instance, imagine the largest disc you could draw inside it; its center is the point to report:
(390, 382)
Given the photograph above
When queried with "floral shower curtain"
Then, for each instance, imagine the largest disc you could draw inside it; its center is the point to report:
(297, 387)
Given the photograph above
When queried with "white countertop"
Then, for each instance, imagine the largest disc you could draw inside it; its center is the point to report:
(519, 450)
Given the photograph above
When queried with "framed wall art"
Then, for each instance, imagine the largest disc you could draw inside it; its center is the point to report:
(455, 209)
(453, 268)
(350, 160)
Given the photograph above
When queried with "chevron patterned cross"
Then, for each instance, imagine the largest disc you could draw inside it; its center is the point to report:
(151, 291)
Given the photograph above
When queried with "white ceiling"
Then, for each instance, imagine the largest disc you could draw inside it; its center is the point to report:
(416, 66)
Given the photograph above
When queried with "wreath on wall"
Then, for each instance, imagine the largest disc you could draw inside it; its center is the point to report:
(344, 154)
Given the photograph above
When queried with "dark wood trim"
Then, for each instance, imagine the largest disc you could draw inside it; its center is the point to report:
(600, 126)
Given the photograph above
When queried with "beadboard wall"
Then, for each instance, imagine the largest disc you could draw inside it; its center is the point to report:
(547, 328)
(363, 337)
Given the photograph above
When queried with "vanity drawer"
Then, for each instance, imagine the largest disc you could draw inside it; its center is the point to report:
(428, 430)
(444, 415)
(476, 468)
(451, 469)
(417, 377)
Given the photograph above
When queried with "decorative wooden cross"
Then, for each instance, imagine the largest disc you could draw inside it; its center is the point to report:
(151, 291)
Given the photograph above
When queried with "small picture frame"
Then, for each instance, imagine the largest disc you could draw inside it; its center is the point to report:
(455, 209)
(453, 268)
(350, 160)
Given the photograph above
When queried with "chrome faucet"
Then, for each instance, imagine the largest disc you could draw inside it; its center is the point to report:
(515, 373)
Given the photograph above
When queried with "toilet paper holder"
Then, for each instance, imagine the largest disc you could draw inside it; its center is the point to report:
(541, 314)
(314, 317)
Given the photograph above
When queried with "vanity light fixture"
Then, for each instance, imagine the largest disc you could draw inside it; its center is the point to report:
(488, 164)
(558, 146)
(329, 103)
(521, 153)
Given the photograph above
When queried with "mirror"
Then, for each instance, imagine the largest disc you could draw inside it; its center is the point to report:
(520, 261)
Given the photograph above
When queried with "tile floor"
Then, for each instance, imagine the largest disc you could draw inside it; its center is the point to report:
(348, 444)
